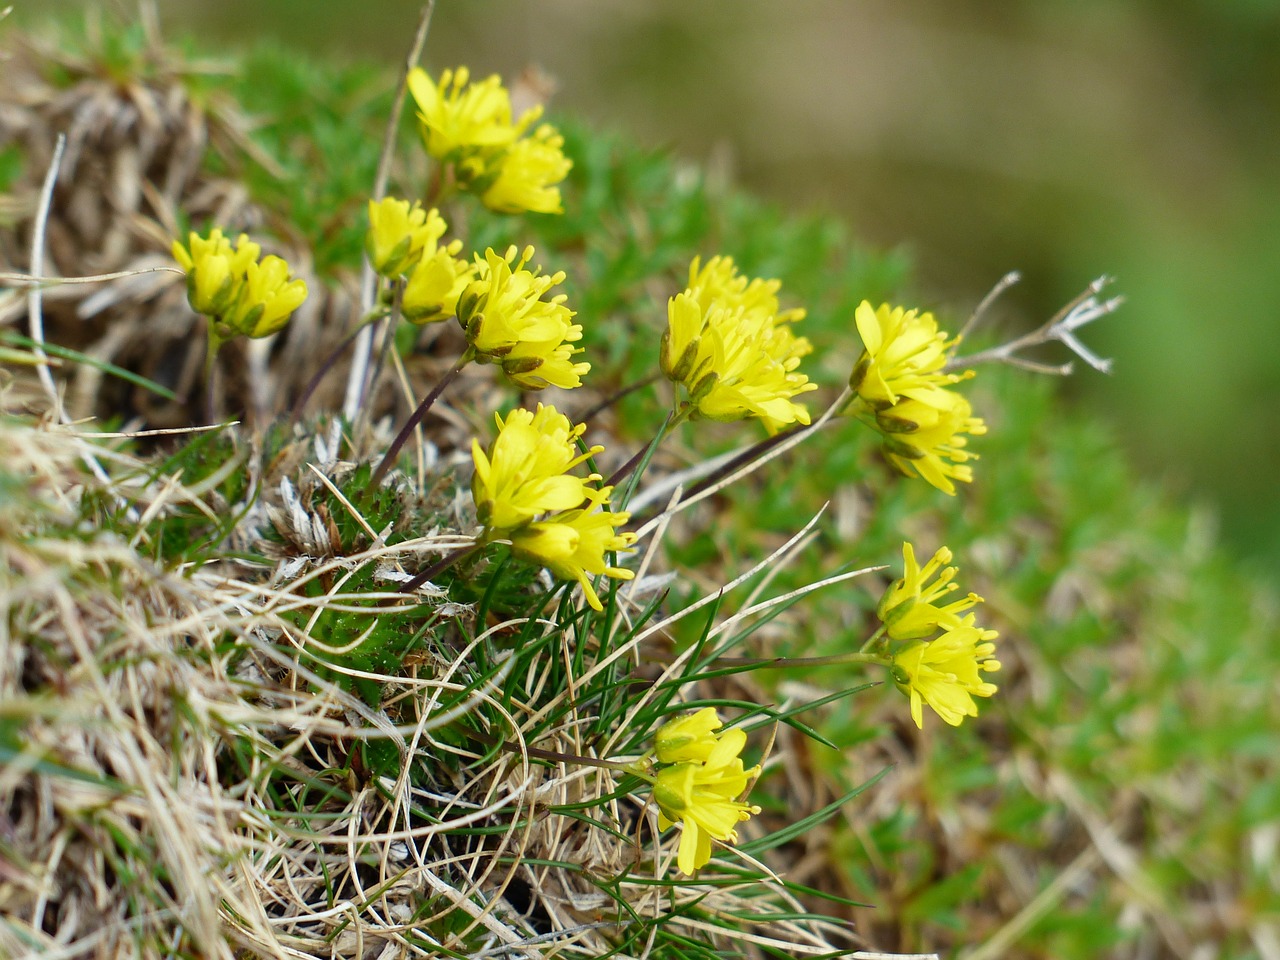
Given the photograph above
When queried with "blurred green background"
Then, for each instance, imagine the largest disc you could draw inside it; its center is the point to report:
(1138, 138)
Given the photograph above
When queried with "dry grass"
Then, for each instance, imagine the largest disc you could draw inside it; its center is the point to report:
(162, 720)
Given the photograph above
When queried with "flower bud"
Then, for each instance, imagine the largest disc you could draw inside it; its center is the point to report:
(690, 737)
(891, 423)
(703, 387)
(515, 366)
(682, 369)
(470, 303)
(901, 448)
(859, 372)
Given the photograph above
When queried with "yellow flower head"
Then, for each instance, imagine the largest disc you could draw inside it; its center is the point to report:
(398, 234)
(267, 299)
(573, 545)
(946, 673)
(908, 608)
(718, 281)
(903, 356)
(458, 116)
(229, 285)
(526, 469)
(703, 796)
(524, 176)
(215, 270)
(690, 737)
(507, 322)
(927, 440)
(734, 357)
(435, 284)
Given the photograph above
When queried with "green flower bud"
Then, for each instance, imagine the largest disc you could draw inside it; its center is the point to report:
(703, 387)
(902, 449)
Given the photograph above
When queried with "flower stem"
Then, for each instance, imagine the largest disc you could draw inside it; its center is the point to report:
(838, 659)
(874, 638)
(742, 459)
(626, 391)
(441, 565)
(210, 371)
(555, 757)
(301, 404)
(389, 458)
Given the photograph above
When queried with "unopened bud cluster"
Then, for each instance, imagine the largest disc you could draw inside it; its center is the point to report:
(241, 294)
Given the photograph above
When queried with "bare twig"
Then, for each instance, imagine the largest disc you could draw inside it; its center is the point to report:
(980, 311)
(40, 283)
(1061, 327)
(356, 379)
(35, 314)
(35, 299)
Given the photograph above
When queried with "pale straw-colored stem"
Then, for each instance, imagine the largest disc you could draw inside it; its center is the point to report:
(358, 375)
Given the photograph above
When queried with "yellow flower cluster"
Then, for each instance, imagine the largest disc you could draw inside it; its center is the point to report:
(907, 608)
(240, 294)
(404, 239)
(900, 382)
(946, 671)
(732, 349)
(507, 322)
(469, 126)
(574, 545)
(523, 492)
(701, 784)
(526, 469)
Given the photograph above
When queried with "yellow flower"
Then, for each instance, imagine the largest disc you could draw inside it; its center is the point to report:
(703, 796)
(903, 356)
(215, 270)
(469, 126)
(458, 116)
(526, 173)
(434, 286)
(946, 673)
(435, 282)
(690, 737)
(507, 322)
(718, 281)
(398, 233)
(735, 362)
(267, 299)
(526, 469)
(241, 295)
(908, 608)
(928, 440)
(573, 545)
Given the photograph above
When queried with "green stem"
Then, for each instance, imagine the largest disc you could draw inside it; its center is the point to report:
(874, 638)
(644, 452)
(210, 369)
(838, 659)
(555, 757)
(389, 458)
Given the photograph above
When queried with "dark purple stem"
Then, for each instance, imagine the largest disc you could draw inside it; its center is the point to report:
(402, 437)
